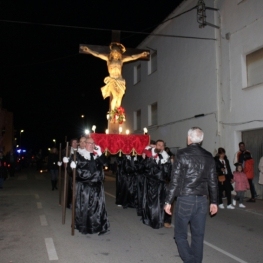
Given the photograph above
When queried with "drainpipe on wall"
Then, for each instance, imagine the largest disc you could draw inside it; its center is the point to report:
(218, 54)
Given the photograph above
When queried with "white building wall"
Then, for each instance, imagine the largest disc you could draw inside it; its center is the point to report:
(202, 76)
(243, 22)
(184, 85)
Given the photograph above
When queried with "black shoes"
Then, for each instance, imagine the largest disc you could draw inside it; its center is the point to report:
(251, 200)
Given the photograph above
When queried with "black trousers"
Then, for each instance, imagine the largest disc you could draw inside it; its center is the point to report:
(252, 188)
(227, 187)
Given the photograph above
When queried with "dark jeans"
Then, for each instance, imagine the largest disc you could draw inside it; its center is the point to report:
(252, 188)
(240, 196)
(190, 210)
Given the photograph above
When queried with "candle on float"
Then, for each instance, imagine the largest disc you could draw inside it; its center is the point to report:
(107, 131)
(145, 130)
(120, 129)
(127, 132)
(93, 128)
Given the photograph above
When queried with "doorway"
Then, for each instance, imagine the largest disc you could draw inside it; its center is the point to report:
(253, 140)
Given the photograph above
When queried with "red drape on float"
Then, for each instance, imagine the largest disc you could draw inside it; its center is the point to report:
(115, 143)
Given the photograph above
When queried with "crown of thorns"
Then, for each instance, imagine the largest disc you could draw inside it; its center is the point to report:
(118, 46)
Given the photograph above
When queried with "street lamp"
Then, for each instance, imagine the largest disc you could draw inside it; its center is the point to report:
(87, 132)
(82, 116)
(20, 138)
(54, 140)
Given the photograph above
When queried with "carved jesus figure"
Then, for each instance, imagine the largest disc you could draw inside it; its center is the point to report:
(115, 84)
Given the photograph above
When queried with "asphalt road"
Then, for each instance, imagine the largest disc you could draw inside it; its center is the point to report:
(31, 230)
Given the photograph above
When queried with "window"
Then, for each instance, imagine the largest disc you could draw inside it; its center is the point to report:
(152, 114)
(152, 64)
(137, 120)
(254, 62)
(137, 74)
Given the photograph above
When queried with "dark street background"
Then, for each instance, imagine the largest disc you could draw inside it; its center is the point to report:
(44, 80)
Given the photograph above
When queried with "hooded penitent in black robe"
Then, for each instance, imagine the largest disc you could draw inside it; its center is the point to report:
(120, 179)
(155, 176)
(139, 181)
(91, 216)
(126, 182)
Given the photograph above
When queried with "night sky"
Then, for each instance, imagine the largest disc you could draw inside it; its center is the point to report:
(44, 80)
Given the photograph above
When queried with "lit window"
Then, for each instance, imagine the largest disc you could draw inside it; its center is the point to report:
(152, 64)
(137, 74)
(137, 120)
(152, 114)
(254, 63)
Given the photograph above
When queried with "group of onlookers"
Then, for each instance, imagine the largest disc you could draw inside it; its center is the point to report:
(240, 180)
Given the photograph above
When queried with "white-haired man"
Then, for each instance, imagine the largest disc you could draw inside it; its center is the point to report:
(193, 178)
(91, 215)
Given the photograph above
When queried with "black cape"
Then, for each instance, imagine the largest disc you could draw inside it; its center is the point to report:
(154, 192)
(91, 216)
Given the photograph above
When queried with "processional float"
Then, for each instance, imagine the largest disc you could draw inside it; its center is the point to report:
(113, 142)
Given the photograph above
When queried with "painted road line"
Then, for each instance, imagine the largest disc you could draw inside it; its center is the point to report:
(36, 196)
(225, 252)
(110, 195)
(43, 220)
(39, 205)
(51, 250)
(222, 251)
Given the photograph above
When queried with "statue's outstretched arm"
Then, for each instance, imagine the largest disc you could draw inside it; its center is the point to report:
(137, 56)
(87, 50)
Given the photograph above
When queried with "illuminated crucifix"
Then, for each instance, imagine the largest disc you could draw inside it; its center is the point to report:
(115, 55)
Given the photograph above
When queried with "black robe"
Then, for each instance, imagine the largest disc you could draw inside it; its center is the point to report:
(91, 216)
(139, 184)
(120, 179)
(126, 185)
(154, 192)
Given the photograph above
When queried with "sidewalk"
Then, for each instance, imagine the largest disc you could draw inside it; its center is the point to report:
(255, 208)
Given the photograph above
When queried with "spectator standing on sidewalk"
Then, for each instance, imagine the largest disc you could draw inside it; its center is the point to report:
(249, 171)
(239, 156)
(241, 185)
(223, 169)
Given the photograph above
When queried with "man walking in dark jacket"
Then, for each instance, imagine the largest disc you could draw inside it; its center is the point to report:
(193, 179)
